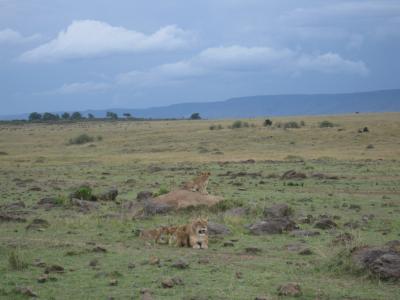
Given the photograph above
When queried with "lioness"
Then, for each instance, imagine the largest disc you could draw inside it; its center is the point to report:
(199, 184)
(193, 235)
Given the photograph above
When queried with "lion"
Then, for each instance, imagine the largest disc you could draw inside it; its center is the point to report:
(199, 184)
(194, 234)
(162, 235)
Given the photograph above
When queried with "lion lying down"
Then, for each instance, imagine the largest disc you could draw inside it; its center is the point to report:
(194, 234)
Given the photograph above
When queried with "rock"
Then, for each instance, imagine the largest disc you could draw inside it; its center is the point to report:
(272, 226)
(14, 206)
(171, 282)
(294, 247)
(144, 195)
(324, 176)
(131, 266)
(203, 260)
(9, 218)
(380, 261)
(99, 249)
(394, 245)
(154, 260)
(145, 294)
(180, 264)
(304, 233)
(236, 212)
(217, 229)
(152, 207)
(54, 269)
(290, 289)
(343, 239)
(306, 220)
(261, 298)
(252, 250)
(84, 205)
(38, 224)
(109, 195)
(325, 223)
(278, 211)
(238, 275)
(94, 262)
(43, 278)
(292, 174)
(26, 291)
(352, 224)
(113, 282)
(48, 202)
(306, 251)
(355, 206)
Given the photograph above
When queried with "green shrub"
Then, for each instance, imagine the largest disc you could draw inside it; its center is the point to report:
(84, 192)
(326, 124)
(81, 139)
(237, 124)
(163, 190)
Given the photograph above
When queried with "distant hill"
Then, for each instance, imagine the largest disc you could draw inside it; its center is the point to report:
(269, 105)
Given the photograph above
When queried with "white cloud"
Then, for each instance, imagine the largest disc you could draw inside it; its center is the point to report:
(80, 88)
(9, 36)
(89, 38)
(239, 59)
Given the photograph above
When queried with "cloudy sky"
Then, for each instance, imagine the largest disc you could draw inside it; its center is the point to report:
(58, 55)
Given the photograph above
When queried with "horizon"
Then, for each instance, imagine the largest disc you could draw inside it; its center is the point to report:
(57, 57)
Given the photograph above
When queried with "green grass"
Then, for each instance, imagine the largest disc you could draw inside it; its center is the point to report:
(159, 156)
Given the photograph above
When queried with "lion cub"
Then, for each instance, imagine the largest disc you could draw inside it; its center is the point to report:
(199, 184)
(194, 234)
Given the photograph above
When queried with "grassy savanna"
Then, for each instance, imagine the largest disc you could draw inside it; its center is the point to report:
(37, 161)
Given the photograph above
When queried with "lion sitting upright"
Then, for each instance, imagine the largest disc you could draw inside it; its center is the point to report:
(199, 184)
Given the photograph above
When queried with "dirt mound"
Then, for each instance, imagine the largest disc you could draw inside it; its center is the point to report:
(292, 174)
(180, 199)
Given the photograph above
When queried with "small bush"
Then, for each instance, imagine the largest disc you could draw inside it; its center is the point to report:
(81, 139)
(163, 190)
(267, 123)
(302, 123)
(291, 124)
(326, 124)
(99, 138)
(216, 127)
(237, 124)
(84, 192)
(16, 262)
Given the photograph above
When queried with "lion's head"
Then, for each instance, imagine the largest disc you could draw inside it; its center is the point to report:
(200, 227)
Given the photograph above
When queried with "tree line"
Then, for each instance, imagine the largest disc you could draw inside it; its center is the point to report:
(75, 116)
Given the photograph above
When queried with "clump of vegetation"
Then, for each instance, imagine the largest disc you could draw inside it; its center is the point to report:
(195, 116)
(163, 190)
(16, 262)
(81, 139)
(216, 127)
(99, 138)
(84, 192)
(3, 153)
(291, 124)
(326, 124)
(239, 124)
(267, 123)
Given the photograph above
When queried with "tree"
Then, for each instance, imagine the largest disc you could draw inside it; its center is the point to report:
(76, 116)
(267, 122)
(195, 116)
(50, 117)
(65, 116)
(90, 116)
(35, 116)
(127, 115)
(112, 115)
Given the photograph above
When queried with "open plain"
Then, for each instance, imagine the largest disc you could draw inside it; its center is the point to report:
(349, 175)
